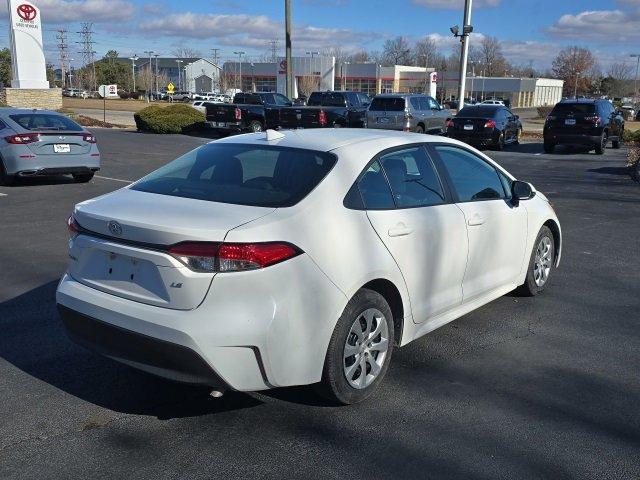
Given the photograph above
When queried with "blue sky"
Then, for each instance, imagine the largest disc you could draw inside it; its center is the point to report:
(531, 30)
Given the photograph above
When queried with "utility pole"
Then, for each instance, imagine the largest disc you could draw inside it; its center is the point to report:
(86, 35)
(61, 36)
(466, 31)
(274, 50)
(635, 81)
(156, 76)
(215, 51)
(150, 82)
(133, 70)
(240, 63)
(179, 68)
(287, 28)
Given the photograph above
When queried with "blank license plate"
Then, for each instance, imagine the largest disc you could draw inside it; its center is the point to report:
(570, 121)
(468, 127)
(61, 148)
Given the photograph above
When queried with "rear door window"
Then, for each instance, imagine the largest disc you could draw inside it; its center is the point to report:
(387, 104)
(374, 189)
(241, 174)
(413, 178)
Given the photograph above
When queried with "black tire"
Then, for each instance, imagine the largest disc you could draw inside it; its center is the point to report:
(82, 177)
(419, 129)
(256, 126)
(518, 135)
(549, 147)
(337, 125)
(616, 143)
(5, 180)
(499, 145)
(334, 385)
(602, 145)
(530, 288)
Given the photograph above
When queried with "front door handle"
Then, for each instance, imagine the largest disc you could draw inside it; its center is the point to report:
(475, 220)
(400, 230)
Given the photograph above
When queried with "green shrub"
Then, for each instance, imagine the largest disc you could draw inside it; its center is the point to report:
(631, 137)
(171, 119)
(543, 112)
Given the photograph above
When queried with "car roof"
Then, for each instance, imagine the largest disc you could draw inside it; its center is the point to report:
(581, 100)
(328, 139)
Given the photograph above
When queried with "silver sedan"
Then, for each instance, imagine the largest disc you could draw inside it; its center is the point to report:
(42, 142)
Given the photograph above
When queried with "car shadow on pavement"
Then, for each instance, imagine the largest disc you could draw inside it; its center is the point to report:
(41, 181)
(610, 170)
(34, 341)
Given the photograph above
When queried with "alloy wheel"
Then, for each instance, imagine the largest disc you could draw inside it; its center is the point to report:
(543, 261)
(365, 349)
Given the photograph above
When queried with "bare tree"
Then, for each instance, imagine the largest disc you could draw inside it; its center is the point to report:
(576, 66)
(396, 51)
(360, 57)
(425, 52)
(308, 84)
(620, 71)
(226, 81)
(337, 52)
(491, 57)
(186, 52)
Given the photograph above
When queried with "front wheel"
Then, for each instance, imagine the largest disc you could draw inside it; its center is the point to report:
(518, 136)
(541, 264)
(359, 351)
(616, 143)
(549, 147)
(419, 129)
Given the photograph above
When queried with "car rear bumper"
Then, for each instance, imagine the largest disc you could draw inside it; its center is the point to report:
(478, 139)
(249, 331)
(571, 138)
(41, 172)
(233, 126)
(34, 165)
(151, 354)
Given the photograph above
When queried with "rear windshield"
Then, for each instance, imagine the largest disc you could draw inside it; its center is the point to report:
(478, 112)
(45, 121)
(326, 99)
(387, 104)
(574, 108)
(241, 175)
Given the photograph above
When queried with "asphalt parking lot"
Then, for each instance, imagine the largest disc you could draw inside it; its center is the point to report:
(520, 389)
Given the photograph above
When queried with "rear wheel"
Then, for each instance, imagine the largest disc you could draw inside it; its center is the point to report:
(5, 179)
(337, 125)
(255, 126)
(500, 142)
(603, 144)
(359, 351)
(82, 177)
(541, 264)
(518, 136)
(549, 147)
(419, 129)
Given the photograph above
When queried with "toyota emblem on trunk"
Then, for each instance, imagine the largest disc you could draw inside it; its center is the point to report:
(115, 228)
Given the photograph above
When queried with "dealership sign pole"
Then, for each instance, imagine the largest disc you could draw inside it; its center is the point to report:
(27, 54)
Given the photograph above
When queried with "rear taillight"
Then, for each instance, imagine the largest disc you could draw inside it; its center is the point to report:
(322, 118)
(89, 138)
(238, 114)
(490, 124)
(595, 119)
(72, 226)
(232, 257)
(450, 124)
(23, 138)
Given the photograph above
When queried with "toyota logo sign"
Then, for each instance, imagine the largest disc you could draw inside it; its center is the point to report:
(27, 12)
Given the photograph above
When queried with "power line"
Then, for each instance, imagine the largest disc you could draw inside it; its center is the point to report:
(274, 50)
(215, 55)
(61, 37)
(86, 36)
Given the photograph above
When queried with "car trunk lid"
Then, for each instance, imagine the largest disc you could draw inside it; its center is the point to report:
(60, 143)
(122, 246)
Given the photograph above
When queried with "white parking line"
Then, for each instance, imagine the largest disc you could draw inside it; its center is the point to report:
(114, 179)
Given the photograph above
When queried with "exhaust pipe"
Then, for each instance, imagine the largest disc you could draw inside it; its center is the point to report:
(216, 393)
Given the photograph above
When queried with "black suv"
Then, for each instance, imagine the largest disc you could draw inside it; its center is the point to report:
(583, 122)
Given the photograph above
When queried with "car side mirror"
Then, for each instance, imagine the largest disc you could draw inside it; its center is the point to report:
(521, 191)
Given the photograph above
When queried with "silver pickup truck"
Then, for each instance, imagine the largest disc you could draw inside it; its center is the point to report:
(420, 113)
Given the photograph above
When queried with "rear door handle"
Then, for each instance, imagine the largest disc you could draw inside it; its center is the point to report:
(400, 230)
(475, 220)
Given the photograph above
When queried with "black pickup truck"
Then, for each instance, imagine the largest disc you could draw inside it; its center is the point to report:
(328, 109)
(249, 112)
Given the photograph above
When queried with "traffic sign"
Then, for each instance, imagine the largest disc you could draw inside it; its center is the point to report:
(170, 88)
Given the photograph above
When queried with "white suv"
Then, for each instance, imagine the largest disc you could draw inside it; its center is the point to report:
(276, 259)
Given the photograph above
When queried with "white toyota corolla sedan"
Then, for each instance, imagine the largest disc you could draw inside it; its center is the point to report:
(287, 258)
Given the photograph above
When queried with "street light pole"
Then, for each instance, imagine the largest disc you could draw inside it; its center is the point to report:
(635, 82)
(466, 30)
(156, 76)
(287, 41)
(150, 82)
(179, 75)
(133, 70)
(240, 62)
